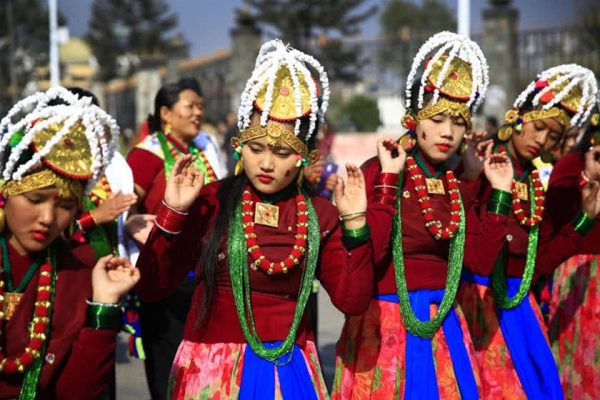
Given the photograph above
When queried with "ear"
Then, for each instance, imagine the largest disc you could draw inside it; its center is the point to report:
(165, 114)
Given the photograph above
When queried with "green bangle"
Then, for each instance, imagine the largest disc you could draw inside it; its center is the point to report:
(583, 223)
(501, 196)
(103, 316)
(498, 207)
(362, 233)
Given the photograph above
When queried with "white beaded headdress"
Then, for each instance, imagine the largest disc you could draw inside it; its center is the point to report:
(275, 64)
(570, 86)
(53, 131)
(446, 48)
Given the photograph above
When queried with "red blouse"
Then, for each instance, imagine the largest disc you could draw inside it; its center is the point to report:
(78, 360)
(563, 199)
(346, 275)
(426, 259)
(553, 246)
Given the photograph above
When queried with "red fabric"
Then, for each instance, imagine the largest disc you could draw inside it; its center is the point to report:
(84, 357)
(86, 221)
(426, 259)
(563, 199)
(346, 276)
(148, 173)
(554, 245)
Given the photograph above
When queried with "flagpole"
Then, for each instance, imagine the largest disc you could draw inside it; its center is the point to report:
(54, 58)
(464, 18)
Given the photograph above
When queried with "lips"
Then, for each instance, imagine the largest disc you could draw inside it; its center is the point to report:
(265, 178)
(443, 147)
(40, 235)
(534, 151)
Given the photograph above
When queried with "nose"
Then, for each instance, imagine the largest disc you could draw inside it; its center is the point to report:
(47, 214)
(448, 129)
(266, 162)
(541, 137)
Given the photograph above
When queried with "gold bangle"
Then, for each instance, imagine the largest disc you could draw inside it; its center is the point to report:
(351, 216)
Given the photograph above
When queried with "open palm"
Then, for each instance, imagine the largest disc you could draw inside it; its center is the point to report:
(184, 184)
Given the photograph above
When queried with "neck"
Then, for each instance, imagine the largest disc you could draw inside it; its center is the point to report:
(518, 162)
(180, 139)
(271, 198)
(12, 240)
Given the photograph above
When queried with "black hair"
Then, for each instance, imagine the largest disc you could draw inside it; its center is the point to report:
(586, 140)
(79, 91)
(229, 195)
(490, 119)
(167, 96)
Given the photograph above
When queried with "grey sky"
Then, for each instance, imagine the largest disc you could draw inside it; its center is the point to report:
(206, 24)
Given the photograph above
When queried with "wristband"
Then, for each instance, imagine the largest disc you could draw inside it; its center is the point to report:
(498, 207)
(170, 220)
(501, 196)
(583, 223)
(362, 233)
(103, 316)
(86, 222)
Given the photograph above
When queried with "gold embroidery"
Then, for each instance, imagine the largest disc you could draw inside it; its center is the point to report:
(434, 186)
(67, 188)
(553, 112)
(452, 107)
(284, 99)
(266, 214)
(521, 189)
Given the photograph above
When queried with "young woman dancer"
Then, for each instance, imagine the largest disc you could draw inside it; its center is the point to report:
(258, 242)
(506, 325)
(413, 341)
(58, 315)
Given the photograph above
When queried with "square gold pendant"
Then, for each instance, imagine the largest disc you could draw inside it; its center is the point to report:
(521, 189)
(11, 301)
(434, 186)
(266, 214)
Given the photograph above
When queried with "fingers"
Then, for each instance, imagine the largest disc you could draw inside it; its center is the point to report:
(102, 262)
(339, 188)
(182, 165)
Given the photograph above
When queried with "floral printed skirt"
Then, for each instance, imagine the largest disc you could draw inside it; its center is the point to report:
(379, 359)
(574, 326)
(511, 346)
(234, 371)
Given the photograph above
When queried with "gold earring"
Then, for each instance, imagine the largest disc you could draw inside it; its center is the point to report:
(505, 133)
(300, 177)
(167, 128)
(2, 219)
(239, 166)
(407, 142)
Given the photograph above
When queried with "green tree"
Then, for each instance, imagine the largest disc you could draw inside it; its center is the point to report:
(405, 25)
(316, 26)
(362, 112)
(135, 28)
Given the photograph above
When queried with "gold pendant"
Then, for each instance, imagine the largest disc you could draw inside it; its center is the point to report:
(11, 301)
(434, 186)
(521, 189)
(266, 214)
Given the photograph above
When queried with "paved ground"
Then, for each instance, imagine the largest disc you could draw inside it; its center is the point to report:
(131, 382)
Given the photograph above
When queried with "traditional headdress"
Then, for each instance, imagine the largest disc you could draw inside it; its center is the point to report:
(456, 74)
(60, 140)
(282, 89)
(566, 92)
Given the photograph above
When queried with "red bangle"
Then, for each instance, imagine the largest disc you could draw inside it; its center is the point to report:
(169, 220)
(385, 199)
(387, 178)
(86, 222)
(583, 179)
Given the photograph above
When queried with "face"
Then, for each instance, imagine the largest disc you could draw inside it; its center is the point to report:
(35, 219)
(440, 136)
(269, 168)
(536, 137)
(570, 141)
(185, 117)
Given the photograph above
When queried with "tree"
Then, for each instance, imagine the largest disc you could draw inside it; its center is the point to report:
(405, 25)
(24, 33)
(130, 29)
(316, 26)
(362, 113)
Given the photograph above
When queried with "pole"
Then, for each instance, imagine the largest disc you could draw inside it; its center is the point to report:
(54, 67)
(464, 18)
(11, 51)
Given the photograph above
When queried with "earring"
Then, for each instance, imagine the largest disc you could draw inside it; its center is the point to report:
(300, 177)
(2, 219)
(407, 142)
(505, 132)
(168, 128)
(239, 166)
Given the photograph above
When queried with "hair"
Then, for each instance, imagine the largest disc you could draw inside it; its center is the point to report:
(80, 92)
(228, 196)
(167, 96)
(586, 139)
(490, 119)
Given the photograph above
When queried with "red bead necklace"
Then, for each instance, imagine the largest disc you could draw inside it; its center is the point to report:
(538, 190)
(211, 175)
(260, 261)
(434, 226)
(40, 321)
(102, 186)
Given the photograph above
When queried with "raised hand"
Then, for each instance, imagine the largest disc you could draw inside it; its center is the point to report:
(112, 277)
(390, 163)
(184, 184)
(591, 198)
(592, 164)
(139, 226)
(499, 171)
(475, 154)
(351, 198)
(112, 207)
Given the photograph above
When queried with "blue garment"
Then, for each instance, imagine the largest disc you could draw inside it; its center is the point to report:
(420, 377)
(527, 345)
(258, 376)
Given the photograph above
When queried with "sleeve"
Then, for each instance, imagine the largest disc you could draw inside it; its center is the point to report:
(144, 166)
(381, 198)
(172, 249)
(89, 367)
(346, 275)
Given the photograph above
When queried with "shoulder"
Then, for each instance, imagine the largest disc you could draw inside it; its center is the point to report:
(567, 168)
(371, 166)
(151, 145)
